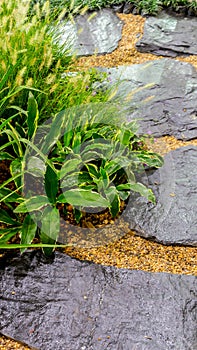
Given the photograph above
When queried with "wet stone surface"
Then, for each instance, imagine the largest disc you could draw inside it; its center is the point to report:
(161, 95)
(90, 34)
(173, 220)
(168, 35)
(66, 304)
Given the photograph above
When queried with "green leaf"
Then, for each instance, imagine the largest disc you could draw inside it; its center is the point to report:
(84, 198)
(93, 171)
(16, 169)
(152, 159)
(138, 187)
(104, 178)
(67, 138)
(7, 233)
(55, 132)
(70, 181)
(76, 142)
(6, 218)
(50, 228)
(37, 245)
(122, 187)
(28, 231)
(6, 155)
(114, 199)
(84, 178)
(100, 148)
(32, 115)
(77, 214)
(31, 204)
(91, 156)
(69, 166)
(36, 166)
(9, 196)
(112, 167)
(124, 194)
(143, 190)
(125, 137)
(51, 184)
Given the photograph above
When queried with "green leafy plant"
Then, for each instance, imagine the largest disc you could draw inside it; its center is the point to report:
(31, 57)
(81, 156)
(82, 160)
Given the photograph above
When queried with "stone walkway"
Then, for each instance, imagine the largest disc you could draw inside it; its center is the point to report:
(66, 304)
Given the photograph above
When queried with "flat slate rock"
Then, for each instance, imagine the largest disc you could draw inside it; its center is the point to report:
(168, 35)
(99, 34)
(161, 95)
(68, 304)
(173, 220)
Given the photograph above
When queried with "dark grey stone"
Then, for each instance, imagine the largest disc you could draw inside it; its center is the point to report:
(169, 36)
(66, 304)
(91, 33)
(118, 7)
(128, 7)
(173, 220)
(161, 95)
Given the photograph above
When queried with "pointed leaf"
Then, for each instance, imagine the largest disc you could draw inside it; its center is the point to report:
(36, 166)
(69, 166)
(93, 171)
(55, 132)
(50, 229)
(70, 181)
(28, 231)
(67, 138)
(83, 198)
(51, 184)
(114, 199)
(6, 155)
(77, 214)
(6, 218)
(143, 190)
(32, 115)
(76, 142)
(31, 204)
(8, 196)
(16, 169)
(7, 233)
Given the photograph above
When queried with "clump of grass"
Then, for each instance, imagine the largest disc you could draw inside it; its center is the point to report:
(31, 58)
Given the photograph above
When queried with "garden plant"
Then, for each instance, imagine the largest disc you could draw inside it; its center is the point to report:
(146, 7)
(62, 142)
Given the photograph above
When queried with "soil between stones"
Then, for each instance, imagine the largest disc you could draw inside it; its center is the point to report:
(131, 251)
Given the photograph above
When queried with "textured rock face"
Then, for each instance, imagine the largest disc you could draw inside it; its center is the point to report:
(169, 36)
(67, 304)
(174, 218)
(99, 34)
(161, 94)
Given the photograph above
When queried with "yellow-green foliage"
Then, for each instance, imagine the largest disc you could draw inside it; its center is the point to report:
(29, 57)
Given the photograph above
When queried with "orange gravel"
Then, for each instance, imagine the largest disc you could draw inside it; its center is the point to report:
(126, 52)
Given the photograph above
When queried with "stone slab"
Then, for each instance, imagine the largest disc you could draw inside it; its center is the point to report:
(91, 33)
(161, 95)
(173, 220)
(168, 35)
(66, 304)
